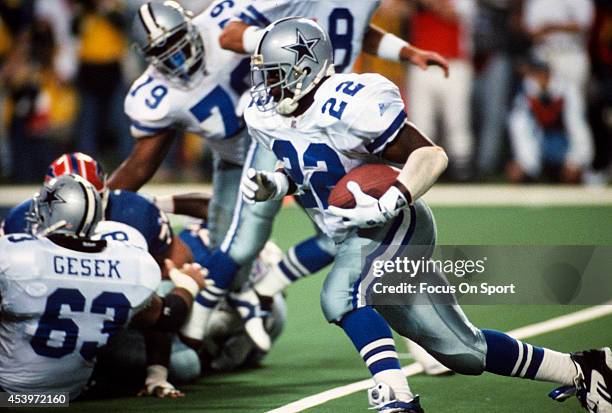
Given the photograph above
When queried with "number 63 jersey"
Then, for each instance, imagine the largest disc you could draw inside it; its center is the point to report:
(59, 305)
(352, 119)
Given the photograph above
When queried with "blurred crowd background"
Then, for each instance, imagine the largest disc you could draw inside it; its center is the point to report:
(529, 98)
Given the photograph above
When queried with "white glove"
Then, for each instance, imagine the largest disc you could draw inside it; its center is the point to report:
(258, 186)
(369, 211)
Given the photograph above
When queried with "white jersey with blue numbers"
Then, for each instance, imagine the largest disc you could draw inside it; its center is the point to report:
(207, 107)
(59, 305)
(351, 121)
(345, 21)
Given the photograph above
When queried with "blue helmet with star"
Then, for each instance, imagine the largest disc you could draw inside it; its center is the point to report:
(69, 205)
(293, 55)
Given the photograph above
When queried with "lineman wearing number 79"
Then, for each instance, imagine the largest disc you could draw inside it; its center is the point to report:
(322, 125)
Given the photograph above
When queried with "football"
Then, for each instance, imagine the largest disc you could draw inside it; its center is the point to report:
(374, 180)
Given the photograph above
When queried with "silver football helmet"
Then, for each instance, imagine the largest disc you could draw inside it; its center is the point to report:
(292, 57)
(69, 205)
(170, 42)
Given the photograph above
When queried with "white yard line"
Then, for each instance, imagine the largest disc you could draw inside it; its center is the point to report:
(531, 330)
(439, 195)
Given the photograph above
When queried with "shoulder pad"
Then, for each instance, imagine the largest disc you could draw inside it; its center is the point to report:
(120, 232)
(149, 105)
(367, 107)
(15, 221)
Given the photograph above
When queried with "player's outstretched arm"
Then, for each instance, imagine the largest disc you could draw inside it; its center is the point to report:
(170, 312)
(388, 46)
(239, 37)
(193, 204)
(147, 154)
(167, 315)
(158, 346)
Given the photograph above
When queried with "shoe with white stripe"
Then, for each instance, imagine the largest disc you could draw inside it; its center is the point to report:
(248, 306)
(594, 382)
(382, 399)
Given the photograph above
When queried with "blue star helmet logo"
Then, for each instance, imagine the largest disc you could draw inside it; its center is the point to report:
(51, 198)
(303, 48)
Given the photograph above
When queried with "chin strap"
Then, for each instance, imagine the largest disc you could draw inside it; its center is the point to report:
(54, 227)
(288, 105)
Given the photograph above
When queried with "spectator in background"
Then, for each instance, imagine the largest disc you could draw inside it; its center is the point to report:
(601, 91)
(444, 26)
(559, 30)
(548, 129)
(495, 44)
(29, 80)
(15, 18)
(100, 27)
(58, 14)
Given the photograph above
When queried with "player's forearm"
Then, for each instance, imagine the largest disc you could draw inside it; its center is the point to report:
(178, 252)
(192, 204)
(158, 345)
(388, 46)
(131, 175)
(422, 169)
(147, 154)
(239, 37)
(385, 45)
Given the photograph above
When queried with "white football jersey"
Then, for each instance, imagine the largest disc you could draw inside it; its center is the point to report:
(346, 23)
(352, 119)
(59, 305)
(207, 107)
(118, 231)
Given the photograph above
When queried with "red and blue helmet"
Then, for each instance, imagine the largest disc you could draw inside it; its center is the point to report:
(80, 164)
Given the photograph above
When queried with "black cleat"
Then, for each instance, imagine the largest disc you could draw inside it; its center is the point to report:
(594, 382)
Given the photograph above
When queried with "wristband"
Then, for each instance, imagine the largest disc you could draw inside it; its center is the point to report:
(404, 191)
(250, 39)
(281, 182)
(165, 203)
(390, 47)
(182, 280)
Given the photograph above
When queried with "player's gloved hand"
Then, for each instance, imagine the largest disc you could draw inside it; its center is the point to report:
(258, 186)
(192, 276)
(156, 384)
(369, 211)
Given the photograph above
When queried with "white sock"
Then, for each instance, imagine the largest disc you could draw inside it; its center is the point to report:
(557, 367)
(272, 283)
(397, 381)
(195, 326)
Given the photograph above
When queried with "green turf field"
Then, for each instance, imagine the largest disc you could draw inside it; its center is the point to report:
(312, 356)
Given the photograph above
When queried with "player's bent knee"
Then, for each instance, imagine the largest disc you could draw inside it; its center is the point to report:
(333, 306)
(463, 363)
(184, 363)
